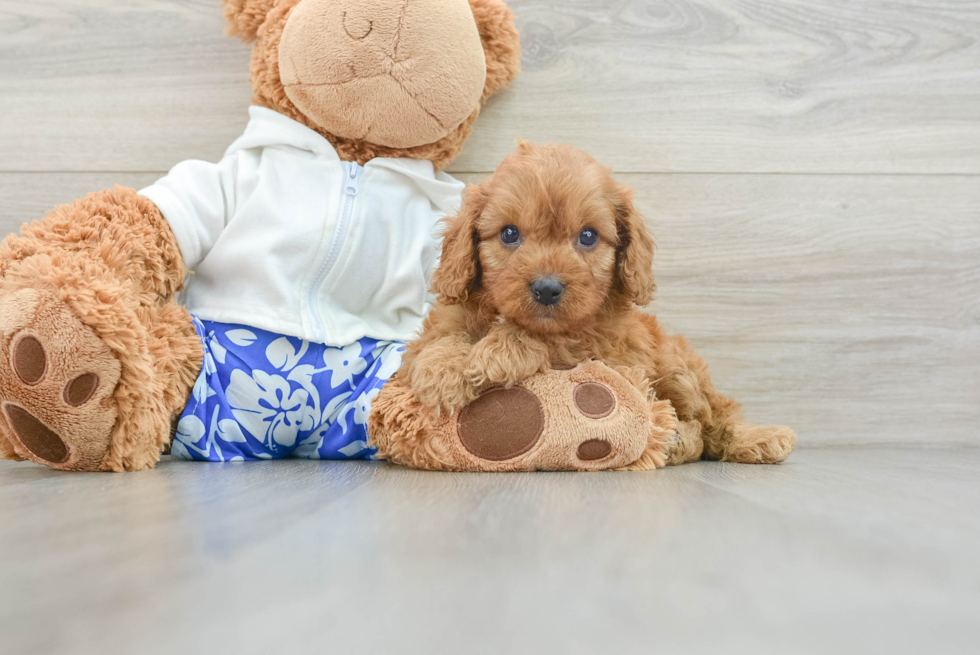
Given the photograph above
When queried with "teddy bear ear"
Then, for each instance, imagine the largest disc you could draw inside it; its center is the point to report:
(501, 44)
(245, 17)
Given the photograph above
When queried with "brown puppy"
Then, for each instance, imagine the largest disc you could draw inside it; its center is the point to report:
(543, 266)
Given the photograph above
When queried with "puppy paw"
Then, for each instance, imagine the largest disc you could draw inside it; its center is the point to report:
(685, 444)
(435, 373)
(760, 444)
(444, 394)
(438, 386)
(505, 356)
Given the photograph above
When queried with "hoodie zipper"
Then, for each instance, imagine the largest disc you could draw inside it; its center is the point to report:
(352, 177)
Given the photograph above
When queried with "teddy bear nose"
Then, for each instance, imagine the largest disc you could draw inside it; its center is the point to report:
(547, 290)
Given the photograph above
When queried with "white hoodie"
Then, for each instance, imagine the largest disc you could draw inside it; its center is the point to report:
(283, 236)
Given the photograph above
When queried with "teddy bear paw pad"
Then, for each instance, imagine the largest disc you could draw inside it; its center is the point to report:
(581, 418)
(594, 400)
(56, 383)
(594, 449)
(501, 424)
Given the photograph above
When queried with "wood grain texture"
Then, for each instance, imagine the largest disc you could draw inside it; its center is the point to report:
(845, 306)
(837, 550)
(646, 85)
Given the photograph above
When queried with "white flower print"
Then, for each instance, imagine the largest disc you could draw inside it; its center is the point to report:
(344, 363)
(354, 448)
(333, 409)
(220, 352)
(230, 431)
(391, 361)
(282, 355)
(361, 410)
(279, 394)
(268, 408)
(362, 406)
(310, 446)
(202, 390)
(179, 451)
(241, 337)
(190, 429)
(303, 376)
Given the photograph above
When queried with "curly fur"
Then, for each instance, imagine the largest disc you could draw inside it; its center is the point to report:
(487, 329)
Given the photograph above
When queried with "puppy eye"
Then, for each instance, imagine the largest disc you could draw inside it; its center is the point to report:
(510, 235)
(588, 237)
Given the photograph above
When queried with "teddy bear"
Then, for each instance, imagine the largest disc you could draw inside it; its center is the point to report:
(253, 308)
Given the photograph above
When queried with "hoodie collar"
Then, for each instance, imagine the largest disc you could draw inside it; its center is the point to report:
(268, 128)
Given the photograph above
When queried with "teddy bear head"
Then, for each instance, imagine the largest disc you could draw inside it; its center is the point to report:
(379, 78)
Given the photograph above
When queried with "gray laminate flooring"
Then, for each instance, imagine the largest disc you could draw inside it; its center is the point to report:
(862, 549)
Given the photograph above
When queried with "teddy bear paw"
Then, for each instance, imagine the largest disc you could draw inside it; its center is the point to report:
(586, 418)
(56, 384)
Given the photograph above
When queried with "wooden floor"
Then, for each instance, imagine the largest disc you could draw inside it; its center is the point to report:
(839, 550)
(811, 172)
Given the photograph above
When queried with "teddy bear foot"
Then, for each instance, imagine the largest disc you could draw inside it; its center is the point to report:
(588, 418)
(56, 384)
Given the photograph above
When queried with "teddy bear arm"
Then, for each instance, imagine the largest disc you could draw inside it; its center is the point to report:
(100, 360)
(117, 228)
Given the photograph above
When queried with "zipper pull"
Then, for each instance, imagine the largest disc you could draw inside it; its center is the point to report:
(353, 178)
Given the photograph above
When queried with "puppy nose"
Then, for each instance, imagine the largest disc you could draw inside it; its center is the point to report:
(547, 290)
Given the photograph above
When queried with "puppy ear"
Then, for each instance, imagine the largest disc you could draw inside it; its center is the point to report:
(634, 254)
(245, 17)
(501, 44)
(459, 273)
(524, 146)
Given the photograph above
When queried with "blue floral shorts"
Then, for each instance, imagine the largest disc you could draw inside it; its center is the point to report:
(261, 395)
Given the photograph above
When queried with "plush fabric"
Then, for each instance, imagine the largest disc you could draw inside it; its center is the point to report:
(501, 54)
(93, 283)
(545, 423)
(398, 74)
